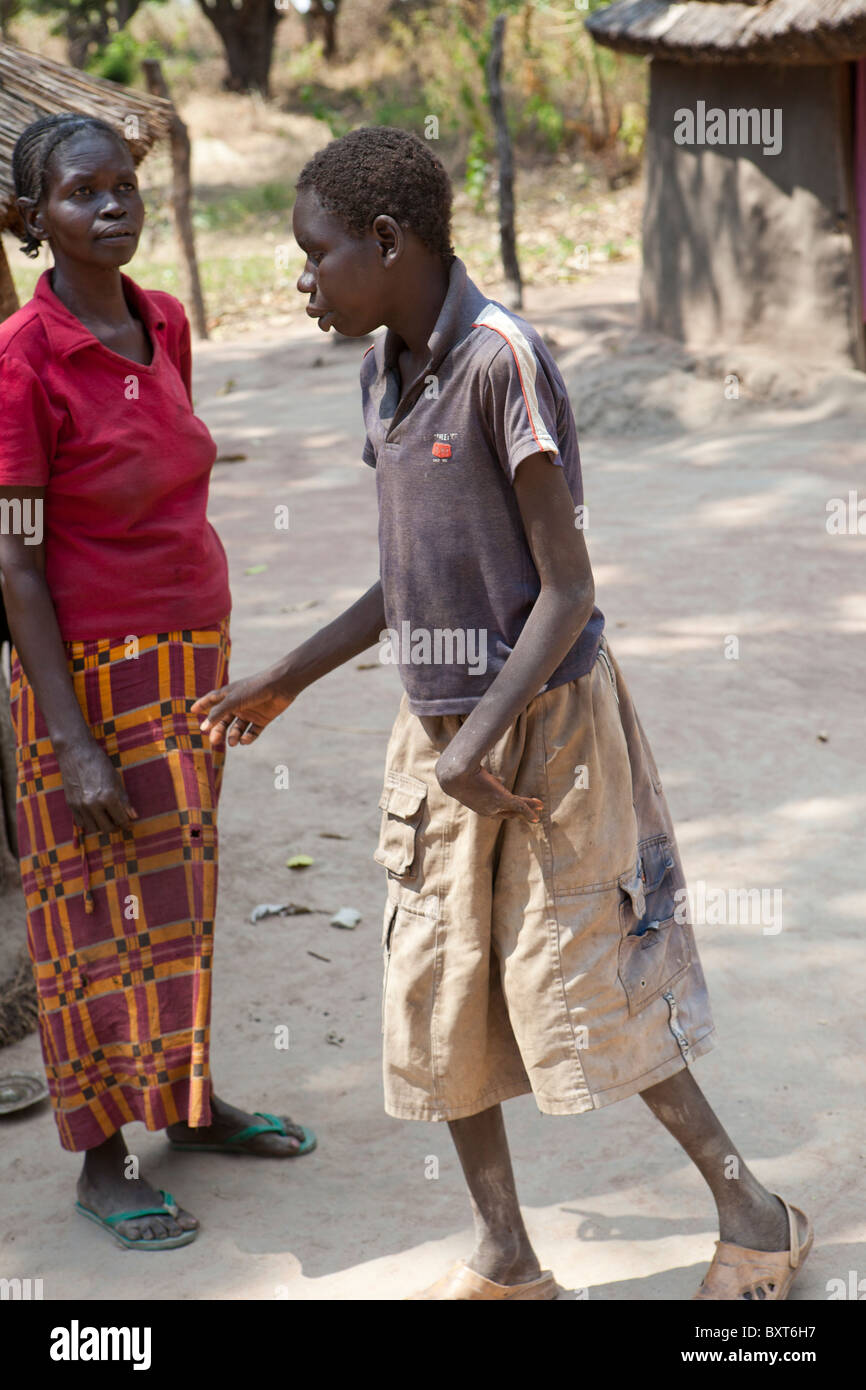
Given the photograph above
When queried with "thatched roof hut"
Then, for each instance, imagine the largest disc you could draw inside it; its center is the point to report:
(30, 87)
(734, 31)
(755, 219)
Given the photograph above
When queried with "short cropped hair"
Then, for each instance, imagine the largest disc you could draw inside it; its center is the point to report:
(382, 169)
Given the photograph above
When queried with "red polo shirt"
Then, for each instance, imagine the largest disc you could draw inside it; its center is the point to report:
(125, 465)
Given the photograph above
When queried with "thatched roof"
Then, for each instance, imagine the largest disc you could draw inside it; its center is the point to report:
(31, 87)
(735, 31)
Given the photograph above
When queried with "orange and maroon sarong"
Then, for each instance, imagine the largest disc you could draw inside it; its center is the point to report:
(120, 926)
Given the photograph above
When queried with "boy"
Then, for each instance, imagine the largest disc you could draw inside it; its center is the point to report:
(535, 934)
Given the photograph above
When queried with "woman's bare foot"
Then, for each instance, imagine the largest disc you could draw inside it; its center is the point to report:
(103, 1189)
(227, 1120)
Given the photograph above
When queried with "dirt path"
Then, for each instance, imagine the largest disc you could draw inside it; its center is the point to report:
(695, 537)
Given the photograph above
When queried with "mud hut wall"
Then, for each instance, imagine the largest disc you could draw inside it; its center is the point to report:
(745, 247)
(859, 167)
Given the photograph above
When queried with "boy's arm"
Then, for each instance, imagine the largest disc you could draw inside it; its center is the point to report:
(241, 711)
(560, 613)
(351, 633)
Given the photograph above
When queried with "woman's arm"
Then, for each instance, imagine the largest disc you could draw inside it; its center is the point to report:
(259, 699)
(560, 613)
(91, 784)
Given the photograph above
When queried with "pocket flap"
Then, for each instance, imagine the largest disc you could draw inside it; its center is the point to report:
(402, 795)
(648, 964)
(632, 883)
(655, 858)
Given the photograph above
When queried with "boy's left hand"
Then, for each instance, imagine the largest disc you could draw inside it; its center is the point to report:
(486, 795)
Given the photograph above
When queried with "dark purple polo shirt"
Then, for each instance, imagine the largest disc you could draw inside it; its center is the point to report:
(457, 573)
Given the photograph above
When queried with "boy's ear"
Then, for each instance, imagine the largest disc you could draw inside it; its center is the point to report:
(31, 216)
(390, 237)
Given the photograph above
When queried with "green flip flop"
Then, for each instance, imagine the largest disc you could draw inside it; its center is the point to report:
(168, 1208)
(235, 1142)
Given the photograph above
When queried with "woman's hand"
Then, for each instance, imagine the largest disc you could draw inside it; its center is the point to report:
(484, 793)
(93, 788)
(241, 710)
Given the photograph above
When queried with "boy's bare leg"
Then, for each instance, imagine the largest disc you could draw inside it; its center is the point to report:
(749, 1215)
(502, 1249)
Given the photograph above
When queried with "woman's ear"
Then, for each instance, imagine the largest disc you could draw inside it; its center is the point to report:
(31, 216)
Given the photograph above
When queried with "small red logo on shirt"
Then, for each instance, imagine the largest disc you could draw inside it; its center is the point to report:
(441, 451)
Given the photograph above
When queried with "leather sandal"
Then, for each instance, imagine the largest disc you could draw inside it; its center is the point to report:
(461, 1282)
(760, 1275)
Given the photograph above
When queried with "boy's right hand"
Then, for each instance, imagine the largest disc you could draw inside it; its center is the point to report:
(238, 713)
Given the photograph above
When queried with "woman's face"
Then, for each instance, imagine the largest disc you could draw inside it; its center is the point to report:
(91, 210)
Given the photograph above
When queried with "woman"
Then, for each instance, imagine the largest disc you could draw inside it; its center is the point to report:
(117, 594)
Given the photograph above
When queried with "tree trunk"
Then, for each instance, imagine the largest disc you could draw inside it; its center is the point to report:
(181, 199)
(323, 19)
(507, 237)
(8, 11)
(124, 10)
(8, 293)
(83, 33)
(247, 32)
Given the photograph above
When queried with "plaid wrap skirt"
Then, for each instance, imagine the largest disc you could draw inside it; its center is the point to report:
(120, 926)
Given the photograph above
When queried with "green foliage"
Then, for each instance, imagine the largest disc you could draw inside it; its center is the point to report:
(547, 118)
(91, 28)
(477, 169)
(120, 60)
(394, 111)
(244, 207)
(560, 89)
(319, 105)
(632, 129)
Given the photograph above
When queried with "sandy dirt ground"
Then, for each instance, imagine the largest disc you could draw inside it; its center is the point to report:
(707, 521)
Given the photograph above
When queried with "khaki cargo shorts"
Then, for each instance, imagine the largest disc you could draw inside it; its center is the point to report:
(555, 958)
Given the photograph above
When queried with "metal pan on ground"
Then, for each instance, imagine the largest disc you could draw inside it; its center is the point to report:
(18, 1090)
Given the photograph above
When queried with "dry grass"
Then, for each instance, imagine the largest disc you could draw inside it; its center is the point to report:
(18, 1011)
(247, 152)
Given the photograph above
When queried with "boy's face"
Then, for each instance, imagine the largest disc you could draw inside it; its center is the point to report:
(343, 274)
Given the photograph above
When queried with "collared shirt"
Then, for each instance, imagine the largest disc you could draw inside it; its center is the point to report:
(125, 464)
(458, 577)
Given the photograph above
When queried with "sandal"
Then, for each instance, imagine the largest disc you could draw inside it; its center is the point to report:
(168, 1208)
(237, 1143)
(461, 1282)
(760, 1275)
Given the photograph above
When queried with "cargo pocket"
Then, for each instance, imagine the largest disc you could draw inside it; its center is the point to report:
(401, 804)
(654, 948)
